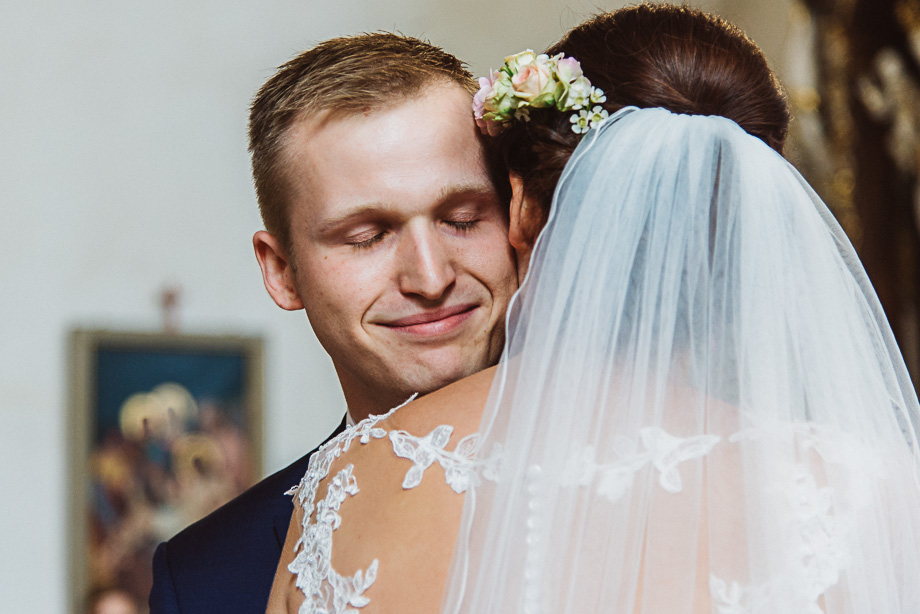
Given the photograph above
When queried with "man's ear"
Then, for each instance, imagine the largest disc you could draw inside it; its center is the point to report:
(526, 219)
(277, 271)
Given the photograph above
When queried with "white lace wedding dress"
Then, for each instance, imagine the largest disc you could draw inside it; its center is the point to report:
(817, 521)
(327, 591)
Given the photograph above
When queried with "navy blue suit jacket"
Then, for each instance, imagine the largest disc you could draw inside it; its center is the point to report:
(226, 561)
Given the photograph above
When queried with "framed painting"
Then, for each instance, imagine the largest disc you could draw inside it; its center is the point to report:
(163, 429)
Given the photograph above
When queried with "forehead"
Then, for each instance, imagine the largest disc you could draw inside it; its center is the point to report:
(404, 156)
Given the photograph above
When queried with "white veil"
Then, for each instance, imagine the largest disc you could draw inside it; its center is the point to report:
(701, 407)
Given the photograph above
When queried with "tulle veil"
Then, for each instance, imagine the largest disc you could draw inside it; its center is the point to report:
(701, 406)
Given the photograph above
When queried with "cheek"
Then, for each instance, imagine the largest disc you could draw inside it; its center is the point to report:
(492, 259)
(342, 286)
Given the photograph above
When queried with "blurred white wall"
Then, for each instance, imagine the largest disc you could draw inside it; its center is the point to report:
(123, 168)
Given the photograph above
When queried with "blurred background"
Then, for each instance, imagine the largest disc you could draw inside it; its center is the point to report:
(127, 205)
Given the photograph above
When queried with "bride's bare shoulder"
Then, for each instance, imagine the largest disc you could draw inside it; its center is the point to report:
(459, 404)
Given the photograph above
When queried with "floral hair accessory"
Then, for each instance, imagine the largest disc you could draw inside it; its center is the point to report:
(529, 81)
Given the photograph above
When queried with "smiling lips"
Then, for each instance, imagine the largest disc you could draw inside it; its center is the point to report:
(432, 323)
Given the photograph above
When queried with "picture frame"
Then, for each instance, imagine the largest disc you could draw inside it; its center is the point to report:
(163, 428)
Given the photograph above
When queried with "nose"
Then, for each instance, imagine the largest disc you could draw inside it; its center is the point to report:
(425, 265)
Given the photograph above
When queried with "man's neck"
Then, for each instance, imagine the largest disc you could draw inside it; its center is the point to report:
(356, 411)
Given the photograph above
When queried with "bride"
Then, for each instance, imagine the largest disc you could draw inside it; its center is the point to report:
(700, 407)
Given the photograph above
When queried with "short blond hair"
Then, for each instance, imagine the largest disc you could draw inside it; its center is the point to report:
(345, 75)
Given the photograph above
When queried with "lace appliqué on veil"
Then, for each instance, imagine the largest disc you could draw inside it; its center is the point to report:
(817, 556)
(662, 450)
(817, 550)
(326, 591)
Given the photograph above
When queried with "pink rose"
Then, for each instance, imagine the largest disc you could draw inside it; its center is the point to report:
(486, 91)
(531, 80)
(485, 88)
(568, 69)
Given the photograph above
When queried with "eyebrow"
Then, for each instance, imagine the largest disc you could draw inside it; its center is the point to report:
(465, 190)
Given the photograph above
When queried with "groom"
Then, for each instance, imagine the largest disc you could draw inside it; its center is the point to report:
(383, 224)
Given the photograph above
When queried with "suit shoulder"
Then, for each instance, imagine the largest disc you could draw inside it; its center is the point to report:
(242, 519)
(226, 561)
(256, 506)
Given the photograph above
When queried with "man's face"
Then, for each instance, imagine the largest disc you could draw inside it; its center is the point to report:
(400, 245)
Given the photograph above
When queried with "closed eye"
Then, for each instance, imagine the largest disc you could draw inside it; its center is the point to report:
(464, 226)
(366, 243)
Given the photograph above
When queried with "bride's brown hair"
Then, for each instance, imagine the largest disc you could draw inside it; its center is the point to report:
(651, 55)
